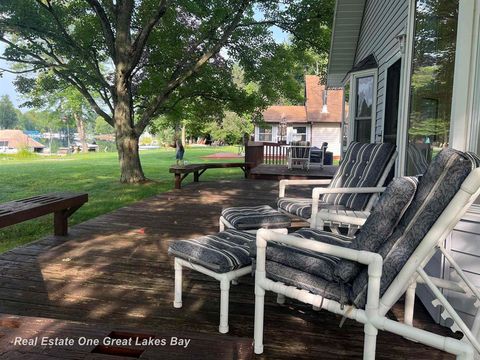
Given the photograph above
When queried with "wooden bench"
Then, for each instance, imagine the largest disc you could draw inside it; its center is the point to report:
(181, 172)
(62, 205)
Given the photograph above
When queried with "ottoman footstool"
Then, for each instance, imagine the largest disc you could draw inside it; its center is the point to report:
(224, 256)
(252, 218)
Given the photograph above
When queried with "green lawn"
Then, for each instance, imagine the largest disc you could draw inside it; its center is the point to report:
(96, 174)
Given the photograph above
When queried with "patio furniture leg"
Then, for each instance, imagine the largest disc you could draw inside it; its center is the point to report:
(177, 303)
(178, 181)
(224, 290)
(280, 299)
(410, 303)
(221, 224)
(60, 221)
(370, 342)
(259, 317)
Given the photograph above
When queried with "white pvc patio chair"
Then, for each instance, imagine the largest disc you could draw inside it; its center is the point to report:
(298, 155)
(391, 267)
(363, 170)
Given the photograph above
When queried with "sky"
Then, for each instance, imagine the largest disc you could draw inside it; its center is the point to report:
(6, 81)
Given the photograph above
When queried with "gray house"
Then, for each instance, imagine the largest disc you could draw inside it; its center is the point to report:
(410, 71)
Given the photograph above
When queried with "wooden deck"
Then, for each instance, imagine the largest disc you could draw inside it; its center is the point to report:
(277, 172)
(114, 271)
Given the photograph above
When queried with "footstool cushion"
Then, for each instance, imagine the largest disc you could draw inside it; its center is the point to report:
(256, 217)
(222, 252)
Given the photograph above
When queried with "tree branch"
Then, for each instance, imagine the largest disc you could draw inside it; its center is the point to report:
(77, 83)
(178, 80)
(141, 39)
(106, 28)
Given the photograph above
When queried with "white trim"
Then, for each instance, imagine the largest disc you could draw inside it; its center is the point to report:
(353, 102)
(474, 123)
(465, 54)
(404, 103)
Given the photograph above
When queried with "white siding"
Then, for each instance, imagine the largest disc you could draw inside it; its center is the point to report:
(382, 22)
(330, 133)
(463, 246)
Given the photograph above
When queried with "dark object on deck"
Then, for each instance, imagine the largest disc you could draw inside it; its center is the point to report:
(61, 204)
(75, 340)
(181, 172)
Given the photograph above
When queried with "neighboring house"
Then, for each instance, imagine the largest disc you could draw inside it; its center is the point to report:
(12, 141)
(410, 70)
(317, 121)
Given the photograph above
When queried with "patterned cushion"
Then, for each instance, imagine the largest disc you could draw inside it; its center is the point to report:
(362, 166)
(436, 188)
(303, 207)
(222, 252)
(380, 224)
(305, 260)
(255, 217)
(302, 280)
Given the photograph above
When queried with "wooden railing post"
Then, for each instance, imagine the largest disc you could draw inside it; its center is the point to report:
(254, 154)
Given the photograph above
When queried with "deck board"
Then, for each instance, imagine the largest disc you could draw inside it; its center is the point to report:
(114, 270)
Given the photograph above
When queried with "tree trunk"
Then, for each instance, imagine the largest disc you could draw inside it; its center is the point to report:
(125, 136)
(81, 131)
(130, 166)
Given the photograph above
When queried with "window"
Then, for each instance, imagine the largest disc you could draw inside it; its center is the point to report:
(359, 107)
(265, 133)
(431, 83)
(3, 143)
(299, 133)
(364, 95)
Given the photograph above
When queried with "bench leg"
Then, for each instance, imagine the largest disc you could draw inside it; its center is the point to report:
(177, 303)
(196, 176)
(178, 181)
(224, 289)
(60, 223)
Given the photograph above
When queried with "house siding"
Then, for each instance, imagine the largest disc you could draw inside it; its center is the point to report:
(330, 133)
(382, 22)
(462, 244)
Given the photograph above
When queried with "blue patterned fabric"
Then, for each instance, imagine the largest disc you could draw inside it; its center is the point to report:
(383, 219)
(303, 280)
(256, 217)
(436, 188)
(305, 260)
(362, 166)
(303, 207)
(222, 252)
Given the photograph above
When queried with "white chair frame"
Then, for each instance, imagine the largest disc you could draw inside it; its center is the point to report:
(374, 315)
(293, 157)
(331, 221)
(224, 278)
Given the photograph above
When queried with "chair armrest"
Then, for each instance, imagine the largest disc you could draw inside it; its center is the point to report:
(361, 256)
(354, 190)
(284, 183)
(373, 260)
(325, 215)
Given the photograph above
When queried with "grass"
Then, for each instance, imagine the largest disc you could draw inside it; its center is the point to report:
(95, 173)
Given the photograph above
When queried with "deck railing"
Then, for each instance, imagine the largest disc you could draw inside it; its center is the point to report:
(258, 153)
(274, 154)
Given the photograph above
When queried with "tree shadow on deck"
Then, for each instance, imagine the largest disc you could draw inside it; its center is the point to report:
(115, 269)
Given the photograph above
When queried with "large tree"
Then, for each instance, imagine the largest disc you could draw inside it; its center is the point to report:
(134, 60)
(8, 115)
